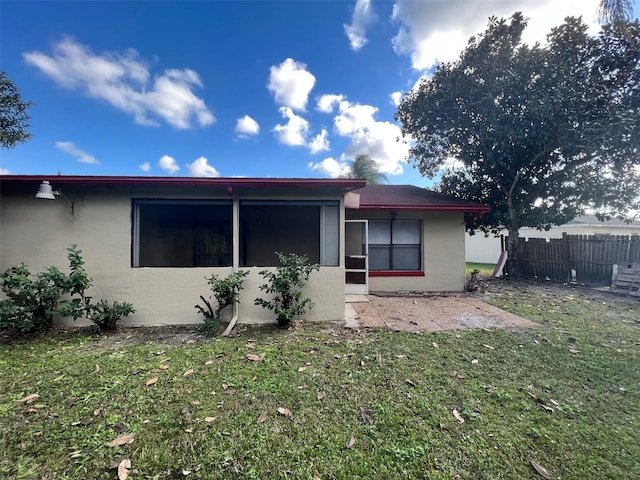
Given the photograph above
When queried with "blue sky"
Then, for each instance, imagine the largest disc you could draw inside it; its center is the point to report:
(258, 89)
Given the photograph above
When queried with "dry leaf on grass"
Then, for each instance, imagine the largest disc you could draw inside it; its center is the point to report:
(489, 347)
(435, 345)
(195, 403)
(210, 419)
(151, 381)
(97, 412)
(123, 469)
(251, 345)
(255, 358)
(410, 382)
(541, 470)
(96, 369)
(367, 418)
(285, 412)
(379, 359)
(164, 366)
(351, 441)
(29, 398)
(474, 361)
(209, 362)
(30, 410)
(456, 414)
(303, 368)
(322, 395)
(121, 440)
(262, 417)
(188, 372)
(574, 351)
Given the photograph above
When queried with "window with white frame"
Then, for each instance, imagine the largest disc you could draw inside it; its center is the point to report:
(395, 245)
(182, 233)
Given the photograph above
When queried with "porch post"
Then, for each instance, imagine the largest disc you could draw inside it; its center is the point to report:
(236, 234)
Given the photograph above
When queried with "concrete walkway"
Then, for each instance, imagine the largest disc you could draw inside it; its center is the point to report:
(428, 314)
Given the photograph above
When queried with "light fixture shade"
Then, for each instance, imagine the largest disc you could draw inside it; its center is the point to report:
(45, 191)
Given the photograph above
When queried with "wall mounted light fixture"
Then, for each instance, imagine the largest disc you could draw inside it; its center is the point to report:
(47, 192)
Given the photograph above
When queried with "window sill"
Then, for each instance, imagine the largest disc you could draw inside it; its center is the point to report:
(397, 273)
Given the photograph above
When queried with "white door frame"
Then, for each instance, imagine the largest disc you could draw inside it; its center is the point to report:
(362, 260)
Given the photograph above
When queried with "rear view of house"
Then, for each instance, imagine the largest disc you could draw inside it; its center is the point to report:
(152, 241)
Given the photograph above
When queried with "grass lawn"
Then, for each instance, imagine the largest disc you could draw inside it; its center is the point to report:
(486, 269)
(368, 405)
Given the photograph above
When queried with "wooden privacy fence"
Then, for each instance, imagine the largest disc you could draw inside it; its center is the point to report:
(587, 259)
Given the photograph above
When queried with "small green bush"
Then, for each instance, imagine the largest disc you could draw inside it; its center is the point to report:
(105, 316)
(226, 292)
(286, 283)
(32, 302)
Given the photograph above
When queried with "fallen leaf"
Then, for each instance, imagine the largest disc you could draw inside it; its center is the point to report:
(401, 356)
(123, 469)
(255, 358)
(489, 347)
(322, 395)
(254, 378)
(302, 369)
(284, 412)
(86, 421)
(456, 414)
(29, 398)
(366, 417)
(351, 441)
(151, 381)
(435, 344)
(574, 351)
(195, 403)
(263, 416)
(251, 345)
(210, 419)
(489, 389)
(474, 361)
(188, 430)
(209, 362)
(188, 372)
(96, 369)
(97, 412)
(546, 408)
(379, 359)
(225, 386)
(554, 402)
(30, 410)
(541, 470)
(121, 440)
(186, 472)
(410, 382)
(164, 366)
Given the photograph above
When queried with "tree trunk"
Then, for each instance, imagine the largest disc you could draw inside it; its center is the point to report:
(512, 246)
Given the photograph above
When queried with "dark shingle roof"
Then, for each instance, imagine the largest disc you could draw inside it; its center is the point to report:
(410, 197)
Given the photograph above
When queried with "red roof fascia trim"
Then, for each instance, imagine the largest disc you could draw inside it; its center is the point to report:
(397, 273)
(430, 208)
(129, 181)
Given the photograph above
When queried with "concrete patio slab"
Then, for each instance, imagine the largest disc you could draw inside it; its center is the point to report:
(434, 313)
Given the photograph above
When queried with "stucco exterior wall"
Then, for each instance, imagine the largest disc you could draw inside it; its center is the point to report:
(37, 232)
(443, 252)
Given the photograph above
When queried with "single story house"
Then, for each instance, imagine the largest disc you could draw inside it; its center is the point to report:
(151, 241)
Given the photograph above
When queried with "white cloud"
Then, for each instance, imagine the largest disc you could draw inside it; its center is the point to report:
(81, 156)
(330, 167)
(327, 102)
(432, 32)
(201, 168)
(4, 171)
(246, 127)
(124, 81)
(168, 164)
(371, 137)
(396, 98)
(145, 167)
(320, 143)
(291, 83)
(294, 132)
(363, 17)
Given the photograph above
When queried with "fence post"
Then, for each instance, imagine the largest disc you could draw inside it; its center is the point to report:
(566, 253)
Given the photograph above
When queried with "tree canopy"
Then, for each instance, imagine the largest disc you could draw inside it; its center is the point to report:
(14, 117)
(615, 11)
(541, 133)
(363, 166)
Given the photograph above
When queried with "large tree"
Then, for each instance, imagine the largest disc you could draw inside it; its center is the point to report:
(615, 11)
(14, 116)
(363, 166)
(541, 133)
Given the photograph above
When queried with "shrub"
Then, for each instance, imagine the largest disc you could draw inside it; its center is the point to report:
(31, 302)
(105, 316)
(286, 283)
(226, 292)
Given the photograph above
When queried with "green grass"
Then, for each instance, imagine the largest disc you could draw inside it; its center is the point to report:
(486, 269)
(592, 432)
